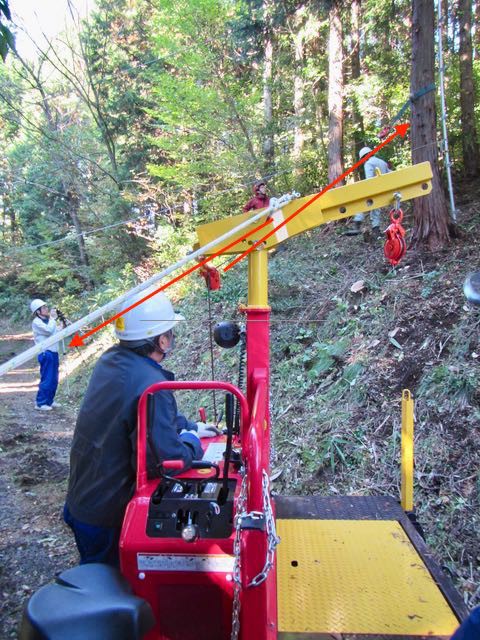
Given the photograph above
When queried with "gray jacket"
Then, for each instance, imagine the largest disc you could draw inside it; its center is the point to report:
(102, 458)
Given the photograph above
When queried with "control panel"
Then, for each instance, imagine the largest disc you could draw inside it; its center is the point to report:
(191, 508)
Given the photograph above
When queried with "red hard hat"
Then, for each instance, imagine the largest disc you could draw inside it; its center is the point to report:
(257, 185)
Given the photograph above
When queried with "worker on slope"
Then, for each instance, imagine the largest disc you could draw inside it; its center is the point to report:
(373, 166)
(260, 198)
(103, 453)
(44, 326)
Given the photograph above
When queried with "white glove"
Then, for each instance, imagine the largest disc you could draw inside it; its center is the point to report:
(53, 314)
(207, 430)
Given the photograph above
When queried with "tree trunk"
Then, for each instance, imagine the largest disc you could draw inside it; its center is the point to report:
(298, 89)
(467, 91)
(431, 218)
(73, 203)
(477, 30)
(446, 21)
(335, 94)
(358, 129)
(268, 146)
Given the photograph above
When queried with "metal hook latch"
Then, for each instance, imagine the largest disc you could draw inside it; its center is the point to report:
(397, 196)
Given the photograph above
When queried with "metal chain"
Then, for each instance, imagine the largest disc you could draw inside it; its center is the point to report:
(272, 542)
(237, 566)
(272, 538)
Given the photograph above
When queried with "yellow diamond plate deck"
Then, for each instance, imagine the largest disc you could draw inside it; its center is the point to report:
(357, 577)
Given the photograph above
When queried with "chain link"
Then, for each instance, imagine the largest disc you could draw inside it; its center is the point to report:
(237, 566)
(272, 538)
(272, 542)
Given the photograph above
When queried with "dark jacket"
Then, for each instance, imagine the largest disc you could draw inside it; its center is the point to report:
(102, 458)
(257, 202)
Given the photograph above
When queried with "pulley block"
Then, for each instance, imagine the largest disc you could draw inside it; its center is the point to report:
(395, 245)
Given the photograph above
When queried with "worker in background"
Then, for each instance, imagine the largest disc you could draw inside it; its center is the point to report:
(260, 198)
(373, 166)
(103, 453)
(44, 326)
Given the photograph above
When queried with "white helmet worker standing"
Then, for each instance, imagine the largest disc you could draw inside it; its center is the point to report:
(36, 304)
(372, 167)
(102, 459)
(43, 326)
(363, 152)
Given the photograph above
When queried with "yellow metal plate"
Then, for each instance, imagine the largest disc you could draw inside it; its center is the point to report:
(358, 577)
(335, 204)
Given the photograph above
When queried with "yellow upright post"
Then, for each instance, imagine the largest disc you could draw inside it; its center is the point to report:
(407, 451)
(258, 279)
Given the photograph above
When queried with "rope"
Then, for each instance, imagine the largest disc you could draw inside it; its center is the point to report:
(413, 98)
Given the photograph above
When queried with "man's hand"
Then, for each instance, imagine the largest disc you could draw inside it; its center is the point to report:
(207, 430)
(53, 314)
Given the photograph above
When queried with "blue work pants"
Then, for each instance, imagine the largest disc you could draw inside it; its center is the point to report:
(48, 377)
(94, 544)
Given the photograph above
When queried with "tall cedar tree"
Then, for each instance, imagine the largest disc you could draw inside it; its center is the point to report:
(268, 143)
(335, 93)
(430, 213)
(358, 131)
(298, 87)
(471, 160)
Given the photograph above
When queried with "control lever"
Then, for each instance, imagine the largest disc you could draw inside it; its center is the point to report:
(173, 465)
(177, 465)
(229, 419)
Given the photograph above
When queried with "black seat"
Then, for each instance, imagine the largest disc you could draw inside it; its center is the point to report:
(88, 602)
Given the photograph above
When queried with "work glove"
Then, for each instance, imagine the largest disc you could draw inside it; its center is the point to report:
(53, 314)
(207, 430)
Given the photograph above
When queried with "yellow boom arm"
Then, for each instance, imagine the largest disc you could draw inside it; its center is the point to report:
(335, 204)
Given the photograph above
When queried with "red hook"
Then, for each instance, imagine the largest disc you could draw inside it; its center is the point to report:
(395, 245)
(212, 277)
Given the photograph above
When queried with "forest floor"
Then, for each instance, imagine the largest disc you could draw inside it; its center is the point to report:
(340, 359)
(34, 449)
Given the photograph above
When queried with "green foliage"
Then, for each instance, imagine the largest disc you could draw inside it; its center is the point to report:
(459, 383)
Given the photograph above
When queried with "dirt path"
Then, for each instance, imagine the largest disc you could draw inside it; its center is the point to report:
(34, 446)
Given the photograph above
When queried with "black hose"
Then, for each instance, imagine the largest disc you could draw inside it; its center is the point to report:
(229, 415)
(241, 377)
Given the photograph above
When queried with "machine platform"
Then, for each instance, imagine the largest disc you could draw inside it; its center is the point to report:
(356, 567)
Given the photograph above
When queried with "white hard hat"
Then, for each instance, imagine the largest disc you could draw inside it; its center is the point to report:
(36, 304)
(363, 152)
(148, 319)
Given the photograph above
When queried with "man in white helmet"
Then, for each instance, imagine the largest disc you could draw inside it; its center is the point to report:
(103, 453)
(373, 166)
(43, 326)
